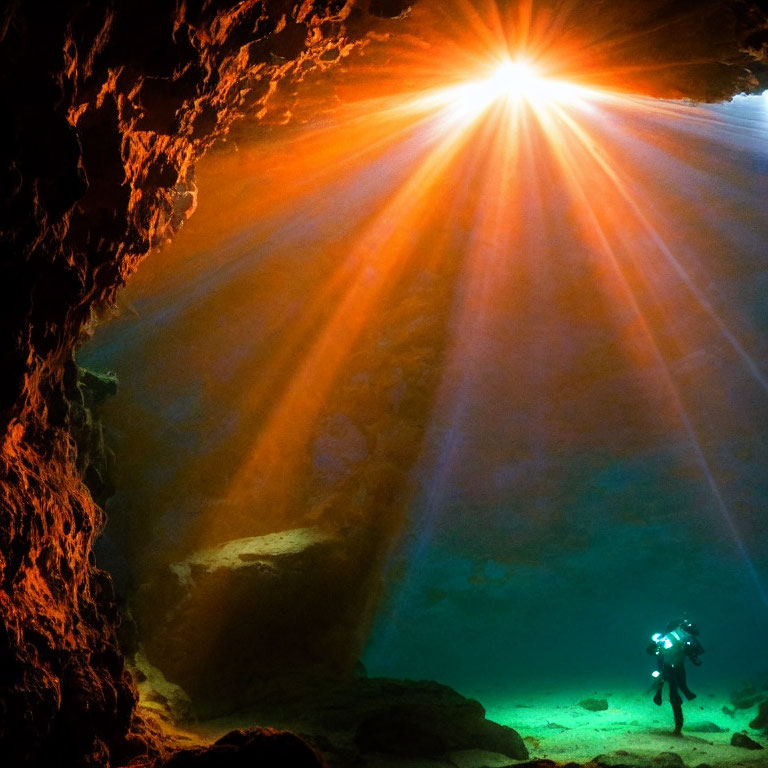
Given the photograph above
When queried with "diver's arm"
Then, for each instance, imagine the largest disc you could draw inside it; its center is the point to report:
(693, 650)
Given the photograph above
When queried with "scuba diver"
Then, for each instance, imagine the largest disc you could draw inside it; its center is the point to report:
(671, 650)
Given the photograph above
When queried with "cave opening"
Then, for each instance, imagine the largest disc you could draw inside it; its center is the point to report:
(457, 375)
(472, 393)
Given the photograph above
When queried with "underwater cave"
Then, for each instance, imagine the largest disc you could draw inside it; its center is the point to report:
(381, 380)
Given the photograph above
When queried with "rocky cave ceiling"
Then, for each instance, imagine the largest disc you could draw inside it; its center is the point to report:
(106, 109)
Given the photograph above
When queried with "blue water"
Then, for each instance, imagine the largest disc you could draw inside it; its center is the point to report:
(574, 492)
(555, 564)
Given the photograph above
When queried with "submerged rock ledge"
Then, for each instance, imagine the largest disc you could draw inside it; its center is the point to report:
(362, 721)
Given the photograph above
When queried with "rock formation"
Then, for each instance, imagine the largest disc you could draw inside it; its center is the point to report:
(290, 577)
(760, 721)
(375, 718)
(430, 720)
(105, 108)
(246, 748)
(745, 742)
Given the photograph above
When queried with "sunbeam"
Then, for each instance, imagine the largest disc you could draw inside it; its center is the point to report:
(491, 325)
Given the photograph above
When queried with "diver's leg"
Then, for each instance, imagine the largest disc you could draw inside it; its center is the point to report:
(677, 706)
(677, 711)
(681, 679)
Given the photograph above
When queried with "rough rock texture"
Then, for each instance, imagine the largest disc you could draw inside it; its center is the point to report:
(354, 720)
(431, 721)
(95, 461)
(263, 747)
(286, 577)
(745, 742)
(168, 702)
(106, 106)
(761, 719)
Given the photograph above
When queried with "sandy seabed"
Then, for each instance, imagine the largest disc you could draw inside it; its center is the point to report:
(555, 727)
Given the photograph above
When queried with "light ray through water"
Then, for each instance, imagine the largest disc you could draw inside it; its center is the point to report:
(565, 321)
(563, 130)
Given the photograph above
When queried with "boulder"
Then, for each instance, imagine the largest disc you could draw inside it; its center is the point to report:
(594, 705)
(761, 720)
(246, 748)
(275, 623)
(425, 719)
(345, 719)
(744, 741)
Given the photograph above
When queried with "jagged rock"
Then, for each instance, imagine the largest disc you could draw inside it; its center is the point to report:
(168, 701)
(745, 742)
(244, 749)
(761, 720)
(106, 107)
(594, 705)
(85, 392)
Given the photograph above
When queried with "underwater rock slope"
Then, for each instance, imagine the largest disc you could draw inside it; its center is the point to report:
(105, 107)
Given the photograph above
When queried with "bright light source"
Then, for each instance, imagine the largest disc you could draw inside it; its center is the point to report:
(517, 82)
(516, 79)
(520, 80)
(655, 674)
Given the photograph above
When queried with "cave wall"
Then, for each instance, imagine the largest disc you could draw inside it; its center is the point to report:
(106, 106)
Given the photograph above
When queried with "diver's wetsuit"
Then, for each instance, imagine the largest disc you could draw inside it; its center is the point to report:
(671, 650)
